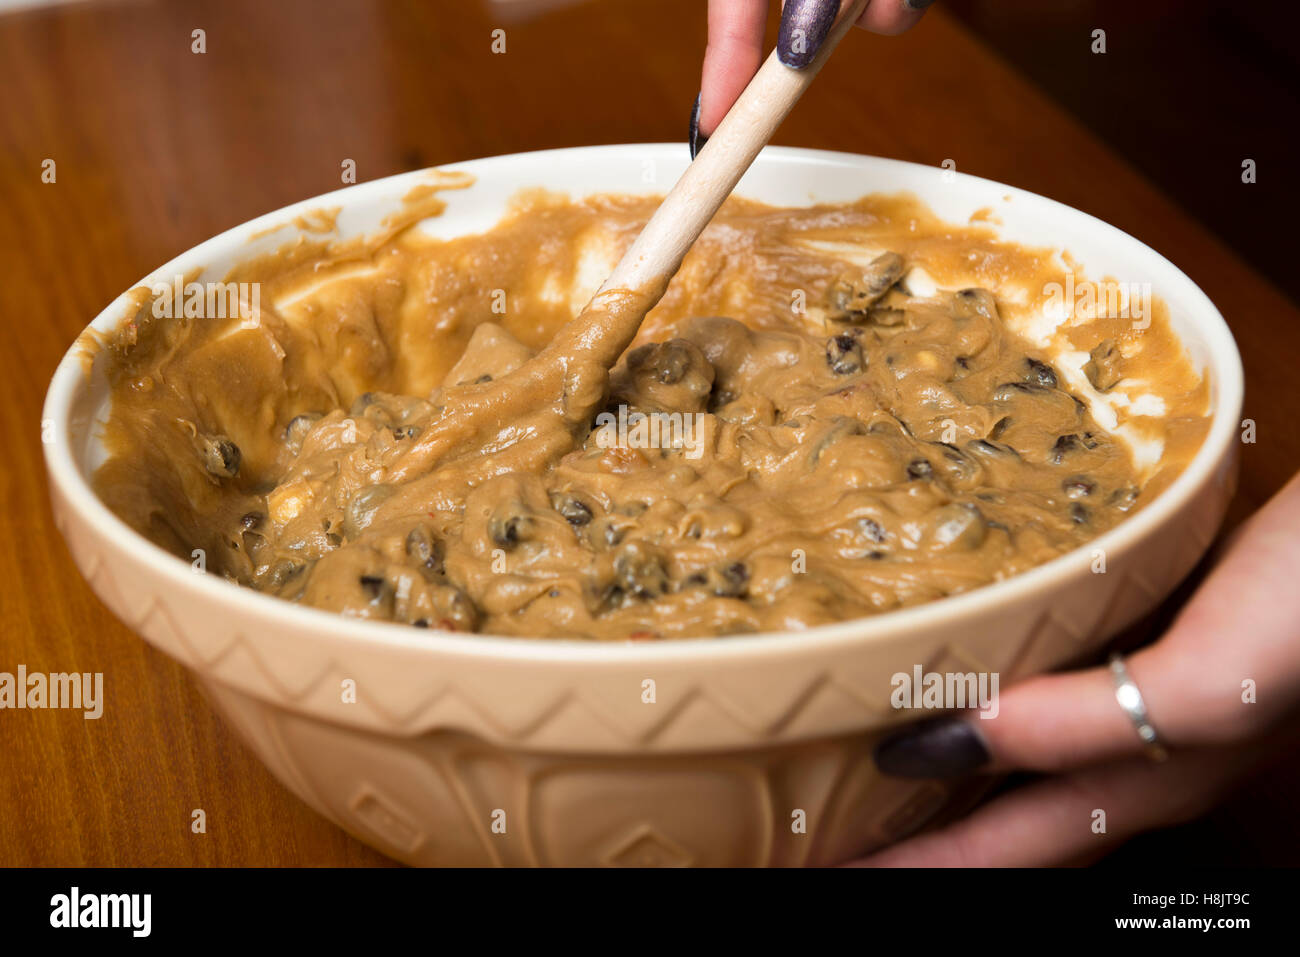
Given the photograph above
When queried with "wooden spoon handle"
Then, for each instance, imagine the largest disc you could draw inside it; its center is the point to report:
(662, 245)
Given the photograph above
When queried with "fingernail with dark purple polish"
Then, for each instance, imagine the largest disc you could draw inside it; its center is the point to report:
(804, 25)
(939, 748)
(917, 4)
(696, 140)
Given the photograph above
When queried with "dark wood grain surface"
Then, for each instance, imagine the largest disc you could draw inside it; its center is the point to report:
(157, 148)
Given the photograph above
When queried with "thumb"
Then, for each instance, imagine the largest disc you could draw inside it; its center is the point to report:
(1043, 724)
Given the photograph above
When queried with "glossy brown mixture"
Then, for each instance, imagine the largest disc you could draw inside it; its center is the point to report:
(857, 427)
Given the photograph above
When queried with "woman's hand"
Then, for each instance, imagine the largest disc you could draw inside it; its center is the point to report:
(735, 47)
(1221, 688)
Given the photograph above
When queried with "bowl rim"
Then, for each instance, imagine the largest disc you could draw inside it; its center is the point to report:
(275, 614)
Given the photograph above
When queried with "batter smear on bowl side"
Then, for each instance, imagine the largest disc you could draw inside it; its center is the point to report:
(834, 411)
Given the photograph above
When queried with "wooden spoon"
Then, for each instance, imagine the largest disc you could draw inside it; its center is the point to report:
(533, 414)
(642, 275)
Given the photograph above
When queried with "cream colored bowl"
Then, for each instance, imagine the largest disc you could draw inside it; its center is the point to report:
(467, 749)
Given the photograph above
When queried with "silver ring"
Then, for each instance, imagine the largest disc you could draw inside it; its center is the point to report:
(1130, 699)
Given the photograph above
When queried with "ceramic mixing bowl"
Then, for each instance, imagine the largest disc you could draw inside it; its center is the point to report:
(755, 750)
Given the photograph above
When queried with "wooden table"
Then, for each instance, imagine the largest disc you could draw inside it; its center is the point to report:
(157, 147)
